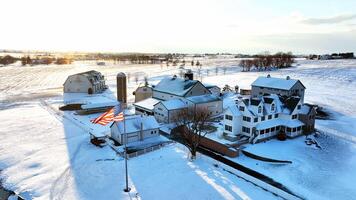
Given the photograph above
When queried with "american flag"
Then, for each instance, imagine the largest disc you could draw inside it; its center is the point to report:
(113, 114)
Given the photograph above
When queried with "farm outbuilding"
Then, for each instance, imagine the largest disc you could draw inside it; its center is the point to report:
(90, 82)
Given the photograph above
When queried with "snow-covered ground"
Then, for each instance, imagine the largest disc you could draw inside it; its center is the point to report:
(46, 156)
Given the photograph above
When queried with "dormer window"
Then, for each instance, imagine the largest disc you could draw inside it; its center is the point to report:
(241, 108)
(259, 109)
(273, 107)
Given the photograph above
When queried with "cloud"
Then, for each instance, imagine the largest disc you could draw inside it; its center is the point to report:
(329, 20)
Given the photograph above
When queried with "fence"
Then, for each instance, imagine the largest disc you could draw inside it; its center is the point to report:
(148, 149)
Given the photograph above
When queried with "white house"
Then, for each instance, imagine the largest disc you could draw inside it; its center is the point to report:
(168, 111)
(263, 117)
(138, 128)
(86, 82)
(271, 85)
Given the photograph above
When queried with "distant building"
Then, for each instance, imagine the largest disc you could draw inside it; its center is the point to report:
(138, 128)
(86, 82)
(307, 116)
(284, 87)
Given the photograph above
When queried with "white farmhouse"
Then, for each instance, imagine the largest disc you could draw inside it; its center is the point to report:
(138, 128)
(86, 82)
(263, 117)
(284, 87)
(214, 89)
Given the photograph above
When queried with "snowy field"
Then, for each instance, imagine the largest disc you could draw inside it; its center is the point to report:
(46, 156)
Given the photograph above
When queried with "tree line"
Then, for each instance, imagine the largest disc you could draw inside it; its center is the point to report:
(27, 60)
(267, 62)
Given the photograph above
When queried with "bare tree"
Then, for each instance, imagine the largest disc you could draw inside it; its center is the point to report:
(136, 78)
(224, 70)
(191, 128)
(216, 70)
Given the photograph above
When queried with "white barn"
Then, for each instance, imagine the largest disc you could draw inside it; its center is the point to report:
(138, 128)
(86, 82)
(168, 111)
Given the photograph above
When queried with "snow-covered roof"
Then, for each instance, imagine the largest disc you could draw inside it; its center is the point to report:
(133, 124)
(147, 103)
(209, 86)
(176, 86)
(252, 103)
(174, 104)
(277, 83)
(279, 122)
(204, 98)
(234, 110)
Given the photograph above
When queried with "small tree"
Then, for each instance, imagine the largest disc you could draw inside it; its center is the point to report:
(191, 128)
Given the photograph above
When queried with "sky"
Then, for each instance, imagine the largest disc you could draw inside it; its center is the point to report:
(185, 26)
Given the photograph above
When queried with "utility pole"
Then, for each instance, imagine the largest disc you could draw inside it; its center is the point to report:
(127, 189)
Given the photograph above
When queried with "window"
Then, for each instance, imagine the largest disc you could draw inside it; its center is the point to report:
(228, 117)
(277, 128)
(228, 128)
(241, 108)
(275, 115)
(272, 129)
(152, 132)
(259, 109)
(262, 132)
(273, 107)
(288, 129)
(298, 129)
(294, 129)
(267, 130)
(245, 129)
(294, 116)
(263, 118)
(256, 119)
(299, 107)
(247, 119)
(269, 116)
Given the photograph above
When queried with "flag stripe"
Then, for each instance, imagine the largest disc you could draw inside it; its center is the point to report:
(108, 116)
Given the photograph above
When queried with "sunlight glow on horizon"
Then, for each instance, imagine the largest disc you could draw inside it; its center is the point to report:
(210, 26)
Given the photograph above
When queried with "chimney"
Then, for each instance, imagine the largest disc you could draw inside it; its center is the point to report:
(188, 75)
(288, 78)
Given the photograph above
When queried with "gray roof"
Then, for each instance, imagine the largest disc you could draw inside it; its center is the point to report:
(203, 98)
(133, 124)
(276, 83)
(174, 104)
(175, 86)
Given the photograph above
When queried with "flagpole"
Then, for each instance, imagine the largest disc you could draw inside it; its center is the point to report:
(127, 189)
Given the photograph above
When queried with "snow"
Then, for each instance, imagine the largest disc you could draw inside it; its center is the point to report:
(147, 103)
(46, 153)
(203, 98)
(176, 86)
(279, 122)
(174, 104)
(272, 82)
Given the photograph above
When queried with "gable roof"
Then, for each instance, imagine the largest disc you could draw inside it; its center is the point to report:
(276, 83)
(175, 86)
(290, 102)
(133, 124)
(174, 104)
